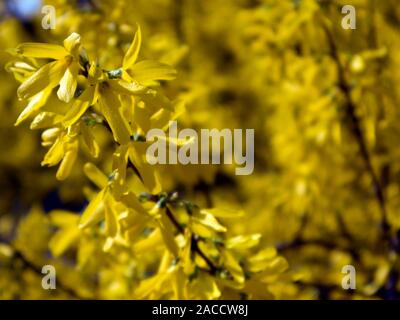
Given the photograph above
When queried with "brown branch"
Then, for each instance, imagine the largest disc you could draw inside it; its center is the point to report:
(194, 243)
(194, 240)
(355, 126)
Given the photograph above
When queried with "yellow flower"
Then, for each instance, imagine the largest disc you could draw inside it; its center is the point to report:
(68, 232)
(64, 147)
(145, 72)
(137, 237)
(63, 71)
(203, 287)
(105, 93)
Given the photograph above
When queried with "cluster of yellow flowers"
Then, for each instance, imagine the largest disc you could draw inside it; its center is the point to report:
(324, 193)
(188, 252)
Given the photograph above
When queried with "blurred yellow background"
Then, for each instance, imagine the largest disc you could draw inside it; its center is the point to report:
(325, 106)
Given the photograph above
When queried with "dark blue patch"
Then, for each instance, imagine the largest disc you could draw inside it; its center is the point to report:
(53, 201)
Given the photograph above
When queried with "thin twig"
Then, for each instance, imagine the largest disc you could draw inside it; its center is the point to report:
(350, 109)
(194, 243)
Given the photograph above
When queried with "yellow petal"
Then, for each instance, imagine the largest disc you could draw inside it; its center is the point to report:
(132, 202)
(67, 162)
(94, 212)
(21, 70)
(187, 261)
(277, 265)
(150, 285)
(266, 262)
(89, 140)
(153, 241)
(95, 73)
(179, 285)
(166, 228)
(109, 107)
(231, 263)
(47, 76)
(37, 102)
(203, 287)
(141, 118)
(46, 119)
(51, 134)
(79, 107)
(62, 218)
(264, 255)
(156, 100)
(202, 231)
(62, 240)
(120, 160)
(223, 212)
(132, 224)
(148, 174)
(125, 87)
(163, 117)
(209, 220)
(68, 83)
(72, 43)
(110, 217)
(55, 154)
(41, 50)
(95, 175)
(243, 242)
(133, 51)
(147, 71)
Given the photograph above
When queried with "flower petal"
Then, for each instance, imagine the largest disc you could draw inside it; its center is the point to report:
(208, 220)
(47, 76)
(223, 212)
(148, 174)
(133, 51)
(125, 87)
(34, 105)
(41, 50)
(89, 140)
(95, 175)
(109, 104)
(147, 71)
(79, 107)
(45, 119)
(21, 70)
(55, 154)
(94, 212)
(68, 161)
(110, 217)
(72, 43)
(63, 240)
(68, 83)
(166, 229)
